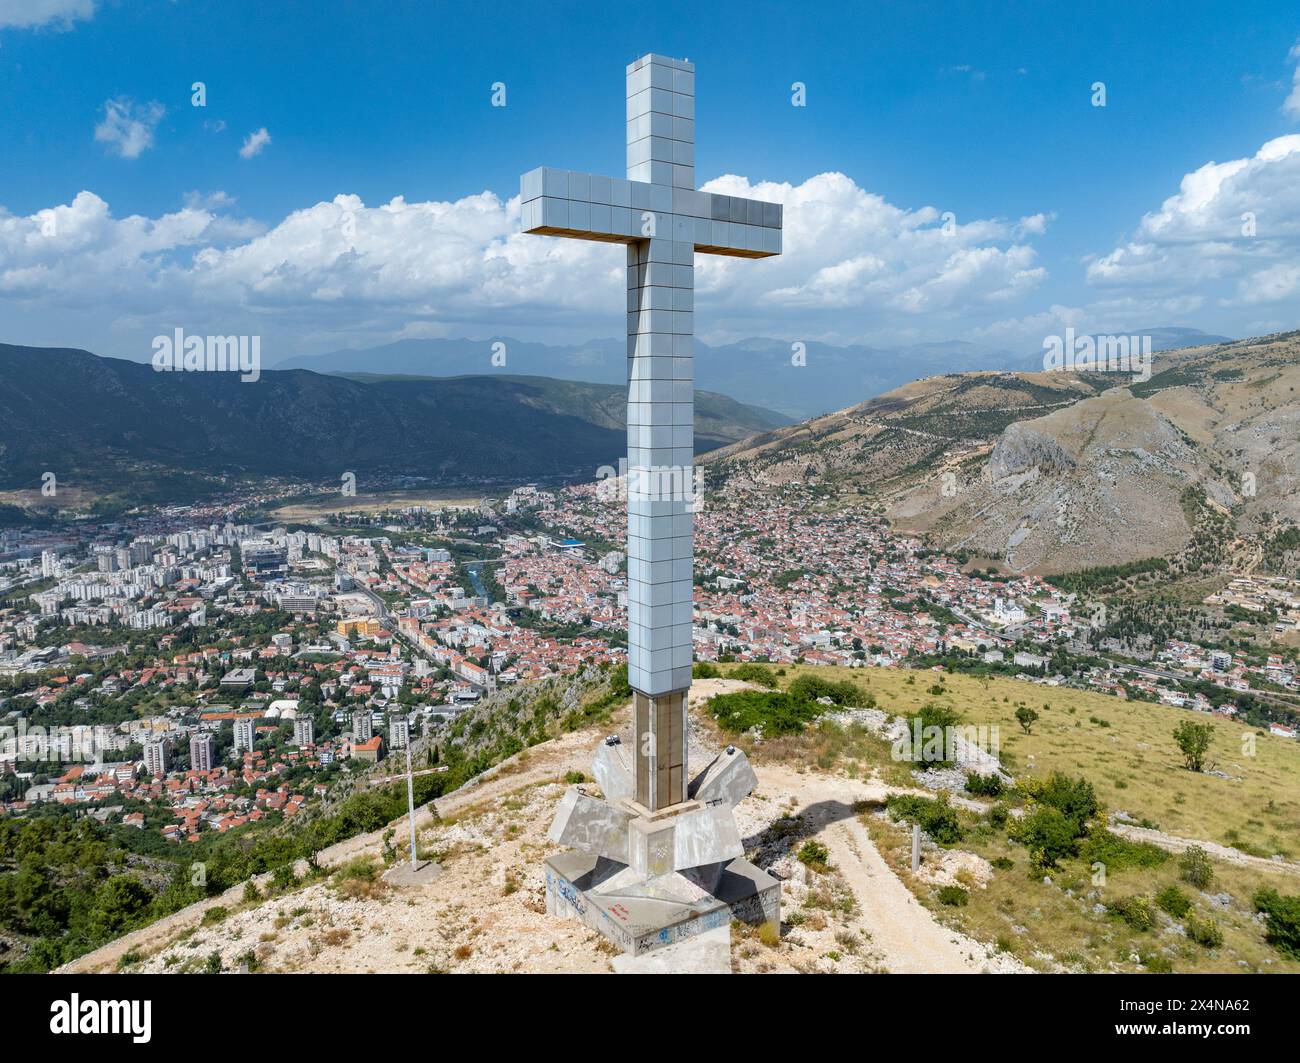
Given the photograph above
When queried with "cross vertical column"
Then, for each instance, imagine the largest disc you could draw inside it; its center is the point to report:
(660, 421)
(663, 220)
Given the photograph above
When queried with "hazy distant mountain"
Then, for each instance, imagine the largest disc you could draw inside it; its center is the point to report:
(1173, 337)
(117, 424)
(756, 371)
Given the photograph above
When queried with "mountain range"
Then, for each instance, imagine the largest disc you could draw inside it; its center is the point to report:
(126, 429)
(1045, 472)
(1063, 471)
(757, 371)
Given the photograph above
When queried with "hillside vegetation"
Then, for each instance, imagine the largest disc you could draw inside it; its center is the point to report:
(132, 434)
(1080, 889)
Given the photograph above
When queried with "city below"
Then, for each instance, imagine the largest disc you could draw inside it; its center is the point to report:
(186, 672)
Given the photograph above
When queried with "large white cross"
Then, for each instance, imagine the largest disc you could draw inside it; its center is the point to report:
(663, 220)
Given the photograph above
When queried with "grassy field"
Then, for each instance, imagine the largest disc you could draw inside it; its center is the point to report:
(1126, 750)
(327, 505)
(1062, 919)
(69, 497)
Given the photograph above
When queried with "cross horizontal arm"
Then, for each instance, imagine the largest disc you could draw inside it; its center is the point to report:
(610, 209)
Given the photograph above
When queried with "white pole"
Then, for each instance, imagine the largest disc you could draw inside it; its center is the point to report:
(410, 793)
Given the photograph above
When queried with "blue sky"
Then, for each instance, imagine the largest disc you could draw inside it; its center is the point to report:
(984, 110)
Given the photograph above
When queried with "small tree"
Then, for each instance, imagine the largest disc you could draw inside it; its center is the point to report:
(1048, 834)
(1196, 868)
(1194, 740)
(1026, 716)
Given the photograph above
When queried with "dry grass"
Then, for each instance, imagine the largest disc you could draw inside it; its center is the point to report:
(359, 879)
(332, 504)
(1133, 762)
(1054, 924)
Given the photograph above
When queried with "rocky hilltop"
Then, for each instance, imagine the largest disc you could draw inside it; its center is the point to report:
(1056, 472)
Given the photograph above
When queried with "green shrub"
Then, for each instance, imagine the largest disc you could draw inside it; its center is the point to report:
(933, 714)
(931, 719)
(1194, 741)
(1059, 819)
(1174, 901)
(1120, 854)
(1195, 867)
(774, 711)
(815, 855)
(755, 673)
(1136, 911)
(358, 878)
(1204, 932)
(1282, 921)
(985, 785)
(214, 915)
(1048, 834)
(1075, 798)
(704, 670)
(574, 777)
(936, 817)
(953, 896)
(842, 692)
(1003, 863)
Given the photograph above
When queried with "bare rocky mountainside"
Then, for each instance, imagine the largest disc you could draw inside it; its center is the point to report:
(1057, 472)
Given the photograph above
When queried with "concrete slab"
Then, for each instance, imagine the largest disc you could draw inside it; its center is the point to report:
(591, 825)
(706, 953)
(613, 772)
(727, 780)
(403, 875)
(707, 836)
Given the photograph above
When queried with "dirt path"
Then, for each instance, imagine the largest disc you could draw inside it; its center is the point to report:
(1175, 844)
(905, 933)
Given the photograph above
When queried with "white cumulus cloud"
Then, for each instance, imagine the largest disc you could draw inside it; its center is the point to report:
(462, 267)
(254, 143)
(127, 127)
(1230, 234)
(847, 248)
(79, 255)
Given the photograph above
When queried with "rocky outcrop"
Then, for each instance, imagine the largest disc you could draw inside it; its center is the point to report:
(1022, 447)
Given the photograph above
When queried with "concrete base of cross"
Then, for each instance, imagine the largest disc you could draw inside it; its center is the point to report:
(649, 878)
(641, 915)
(403, 874)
